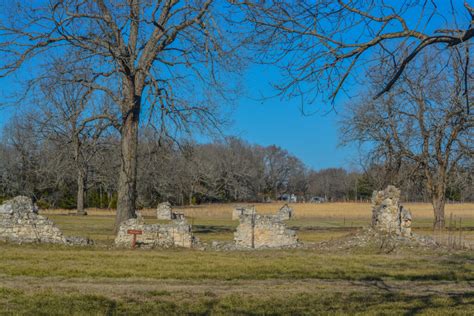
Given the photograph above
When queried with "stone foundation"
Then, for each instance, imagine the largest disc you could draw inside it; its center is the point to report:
(388, 215)
(263, 231)
(20, 223)
(176, 234)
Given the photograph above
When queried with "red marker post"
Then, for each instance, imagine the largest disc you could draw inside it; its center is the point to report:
(134, 232)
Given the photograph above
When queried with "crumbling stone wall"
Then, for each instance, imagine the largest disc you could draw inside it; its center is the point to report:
(388, 214)
(176, 234)
(263, 231)
(20, 223)
(242, 210)
(285, 212)
(165, 211)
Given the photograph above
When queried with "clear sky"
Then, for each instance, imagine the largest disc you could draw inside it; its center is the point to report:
(314, 139)
(265, 121)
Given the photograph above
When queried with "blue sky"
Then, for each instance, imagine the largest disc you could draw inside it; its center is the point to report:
(266, 121)
(314, 139)
(270, 121)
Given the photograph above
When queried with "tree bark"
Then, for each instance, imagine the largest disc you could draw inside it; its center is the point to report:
(439, 202)
(80, 193)
(127, 185)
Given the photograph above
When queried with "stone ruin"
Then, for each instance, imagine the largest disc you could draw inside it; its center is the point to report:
(388, 215)
(165, 212)
(285, 212)
(242, 210)
(264, 231)
(178, 233)
(21, 223)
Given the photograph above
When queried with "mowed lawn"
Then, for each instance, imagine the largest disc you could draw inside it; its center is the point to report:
(101, 280)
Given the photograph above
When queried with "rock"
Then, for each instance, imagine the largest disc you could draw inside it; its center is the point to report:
(263, 231)
(20, 223)
(164, 211)
(79, 241)
(388, 215)
(242, 210)
(176, 234)
(285, 212)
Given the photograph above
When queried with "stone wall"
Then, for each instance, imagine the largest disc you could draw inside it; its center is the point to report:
(242, 210)
(163, 211)
(176, 234)
(263, 231)
(388, 215)
(20, 223)
(285, 212)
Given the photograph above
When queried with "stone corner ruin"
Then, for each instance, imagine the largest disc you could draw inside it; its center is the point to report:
(388, 215)
(177, 233)
(21, 223)
(164, 211)
(264, 231)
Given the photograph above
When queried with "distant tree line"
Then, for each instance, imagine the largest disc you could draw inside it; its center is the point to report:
(44, 166)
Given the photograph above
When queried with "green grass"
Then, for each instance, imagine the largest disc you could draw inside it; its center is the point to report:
(75, 262)
(369, 302)
(101, 280)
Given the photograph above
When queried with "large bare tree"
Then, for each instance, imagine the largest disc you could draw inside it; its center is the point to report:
(161, 58)
(423, 124)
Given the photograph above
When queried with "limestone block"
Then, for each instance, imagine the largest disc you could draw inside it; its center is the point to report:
(285, 212)
(242, 210)
(263, 231)
(20, 223)
(164, 211)
(176, 234)
(388, 215)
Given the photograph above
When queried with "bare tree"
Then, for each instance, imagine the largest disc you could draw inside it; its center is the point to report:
(422, 123)
(321, 45)
(67, 114)
(159, 55)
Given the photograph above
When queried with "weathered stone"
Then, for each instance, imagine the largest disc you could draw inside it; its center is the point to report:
(176, 234)
(164, 211)
(20, 223)
(388, 215)
(285, 212)
(263, 231)
(242, 210)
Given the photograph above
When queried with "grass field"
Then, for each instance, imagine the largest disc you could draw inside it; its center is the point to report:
(101, 280)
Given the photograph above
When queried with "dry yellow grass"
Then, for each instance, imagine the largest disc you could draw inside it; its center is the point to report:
(348, 210)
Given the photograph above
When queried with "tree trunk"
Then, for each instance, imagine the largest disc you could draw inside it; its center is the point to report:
(438, 208)
(80, 193)
(127, 185)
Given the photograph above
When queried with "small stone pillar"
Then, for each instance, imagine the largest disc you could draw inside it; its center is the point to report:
(285, 212)
(388, 215)
(164, 211)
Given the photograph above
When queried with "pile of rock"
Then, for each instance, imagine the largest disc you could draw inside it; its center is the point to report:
(388, 215)
(178, 233)
(20, 223)
(264, 231)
